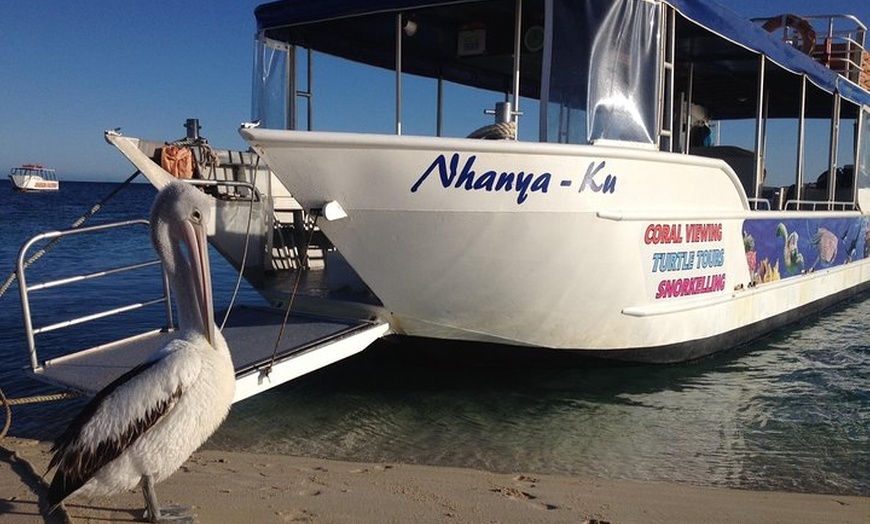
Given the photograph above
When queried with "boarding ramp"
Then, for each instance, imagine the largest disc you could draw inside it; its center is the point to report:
(268, 346)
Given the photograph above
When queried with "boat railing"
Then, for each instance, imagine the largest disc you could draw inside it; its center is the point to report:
(841, 46)
(759, 204)
(232, 172)
(243, 190)
(836, 41)
(26, 289)
(815, 205)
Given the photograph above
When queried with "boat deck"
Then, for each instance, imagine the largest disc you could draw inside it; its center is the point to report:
(307, 344)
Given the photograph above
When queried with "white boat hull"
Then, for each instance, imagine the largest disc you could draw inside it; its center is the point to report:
(33, 183)
(628, 253)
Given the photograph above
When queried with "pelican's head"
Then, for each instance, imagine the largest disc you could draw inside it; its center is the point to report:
(179, 223)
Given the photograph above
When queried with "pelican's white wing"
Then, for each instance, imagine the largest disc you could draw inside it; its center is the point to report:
(121, 413)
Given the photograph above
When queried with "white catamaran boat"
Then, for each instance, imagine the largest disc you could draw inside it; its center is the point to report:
(602, 217)
(33, 177)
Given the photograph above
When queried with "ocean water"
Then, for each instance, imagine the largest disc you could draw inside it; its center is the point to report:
(789, 412)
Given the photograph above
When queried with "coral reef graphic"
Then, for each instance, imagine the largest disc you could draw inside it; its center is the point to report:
(751, 255)
(792, 257)
(777, 248)
(826, 244)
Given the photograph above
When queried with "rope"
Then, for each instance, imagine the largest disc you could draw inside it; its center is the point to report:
(9, 402)
(8, 407)
(79, 221)
(207, 156)
(24, 467)
(268, 368)
(498, 131)
(66, 395)
(247, 242)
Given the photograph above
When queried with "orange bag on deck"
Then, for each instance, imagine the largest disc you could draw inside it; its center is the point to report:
(178, 161)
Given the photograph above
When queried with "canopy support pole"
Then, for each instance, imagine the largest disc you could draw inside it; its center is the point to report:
(399, 73)
(835, 145)
(759, 129)
(690, 93)
(802, 131)
(859, 157)
(518, 40)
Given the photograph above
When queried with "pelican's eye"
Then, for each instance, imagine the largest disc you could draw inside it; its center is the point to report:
(196, 216)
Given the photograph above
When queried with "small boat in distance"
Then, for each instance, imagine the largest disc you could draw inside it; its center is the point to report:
(33, 177)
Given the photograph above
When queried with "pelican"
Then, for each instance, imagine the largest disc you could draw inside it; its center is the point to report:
(142, 427)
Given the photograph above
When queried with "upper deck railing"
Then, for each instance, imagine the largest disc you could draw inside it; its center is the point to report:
(841, 47)
(836, 41)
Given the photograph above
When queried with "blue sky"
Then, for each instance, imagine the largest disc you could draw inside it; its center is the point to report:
(71, 70)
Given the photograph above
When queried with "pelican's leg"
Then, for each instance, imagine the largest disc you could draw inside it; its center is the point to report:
(152, 508)
(153, 511)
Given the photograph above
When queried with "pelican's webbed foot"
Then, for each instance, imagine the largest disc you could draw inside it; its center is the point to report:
(153, 511)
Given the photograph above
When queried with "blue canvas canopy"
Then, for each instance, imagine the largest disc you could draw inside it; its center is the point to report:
(753, 37)
(724, 39)
(293, 12)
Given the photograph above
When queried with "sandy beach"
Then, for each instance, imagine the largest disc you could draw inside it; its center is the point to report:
(243, 487)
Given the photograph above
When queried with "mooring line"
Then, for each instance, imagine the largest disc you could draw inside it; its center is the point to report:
(268, 368)
(9, 402)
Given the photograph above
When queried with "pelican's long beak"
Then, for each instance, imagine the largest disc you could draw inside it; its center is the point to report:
(196, 238)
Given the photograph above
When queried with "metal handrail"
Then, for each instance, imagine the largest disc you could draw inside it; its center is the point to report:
(25, 289)
(88, 276)
(843, 30)
(846, 31)
(761, 204)
(833, 205)
(256, 195)
(858, 29)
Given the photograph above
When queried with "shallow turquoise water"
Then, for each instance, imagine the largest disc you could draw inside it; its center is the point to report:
(791, 412)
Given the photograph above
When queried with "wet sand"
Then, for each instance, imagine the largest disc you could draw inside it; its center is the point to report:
(243, 487)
